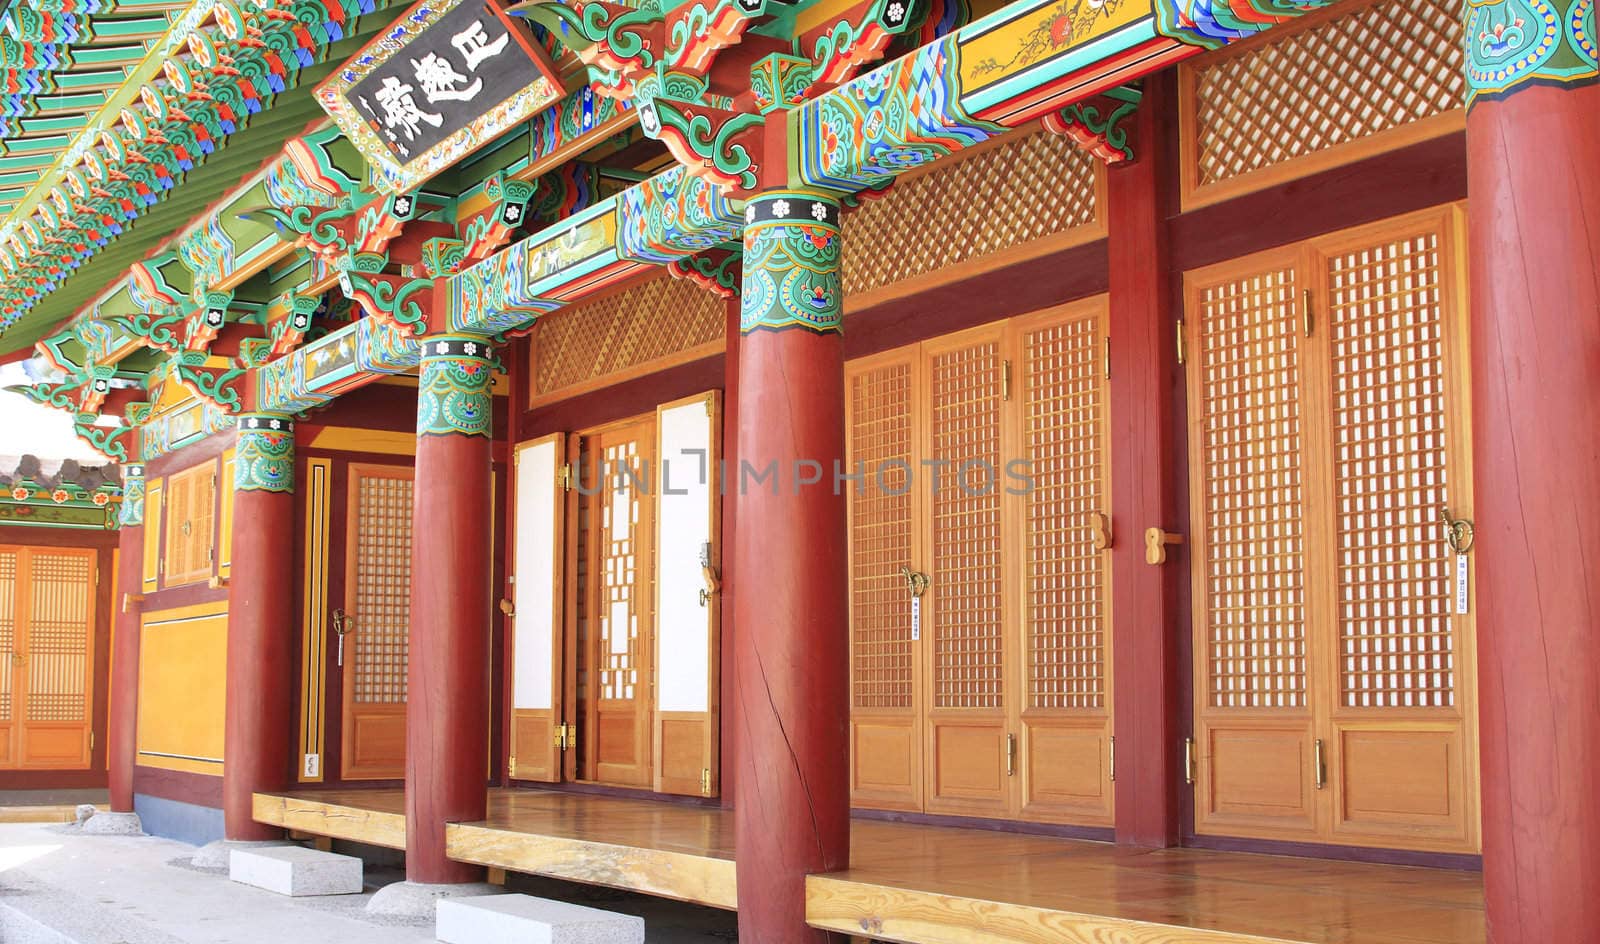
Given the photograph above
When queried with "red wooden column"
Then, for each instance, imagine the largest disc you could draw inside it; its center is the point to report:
(447, 677)
(1144, 633)
(1533, 183)
(791, 636)
(259, 719)
(123, 706)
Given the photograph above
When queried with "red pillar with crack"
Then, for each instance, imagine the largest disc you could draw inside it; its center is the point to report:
(1533, 183)
(258, 738)
(791, 637)
(447, 676)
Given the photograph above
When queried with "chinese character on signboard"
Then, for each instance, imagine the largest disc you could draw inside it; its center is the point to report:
(460, 73)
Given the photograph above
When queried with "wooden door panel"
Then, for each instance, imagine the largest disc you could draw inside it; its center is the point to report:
(965, 618)
(1066, 769)
(12, 602)
(886, 761)
(1065, 725)
(55, 682)
(536, 635)
(378, 600)
(1401, 787)
(686, 561)
(970, 769)
(1256, 778)
(886, 740)
(617, 739)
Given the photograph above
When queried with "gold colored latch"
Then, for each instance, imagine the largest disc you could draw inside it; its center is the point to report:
(1113, 759)
(1458, 532)
(1319, 765)
(564, 476)
(705, 781)
(511, 766)
(1011, 755)
(1305, 310)
(916, 581)
(1188, 761)
(1182, 353)
(1005, 380)
(566, 736)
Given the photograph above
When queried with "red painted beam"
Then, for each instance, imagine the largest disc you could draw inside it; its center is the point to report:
(1534, 239)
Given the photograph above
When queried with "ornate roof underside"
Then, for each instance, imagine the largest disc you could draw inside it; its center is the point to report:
(59, 62)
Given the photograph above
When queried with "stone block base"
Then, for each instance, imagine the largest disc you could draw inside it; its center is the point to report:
(523, 919)
(104, 823)
(295, 870)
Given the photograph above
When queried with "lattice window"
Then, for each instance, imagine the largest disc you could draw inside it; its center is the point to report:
(1065, 571)
(191, 503)
(58, 636)
(968, 642)
(1395, 574)
(382, 591)
(623, 545)
(1253, 515)
(1320, 87)
(880, 539)
(1002, 197)
(648, 323)
(8, 628)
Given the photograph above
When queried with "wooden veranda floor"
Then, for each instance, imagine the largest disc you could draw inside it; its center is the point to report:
(937, 885)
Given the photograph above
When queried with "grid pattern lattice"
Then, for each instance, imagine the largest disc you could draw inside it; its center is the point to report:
(1316, 88)
(58, 637)
(1065, 572)
(966, 585)
(383, 588)
(1002, 197)
(1395, 576)
(8, 628)
(647, 322)
(622, 546)
(880, 539)
(1250, 447)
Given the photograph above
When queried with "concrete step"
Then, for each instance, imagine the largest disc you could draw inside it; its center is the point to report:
(296, 870)
(524, 919)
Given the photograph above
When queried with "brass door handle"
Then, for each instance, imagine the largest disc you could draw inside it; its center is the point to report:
(1319, 765)
(916, 581)
(19, 658)
(1011, 755)
(342, 622)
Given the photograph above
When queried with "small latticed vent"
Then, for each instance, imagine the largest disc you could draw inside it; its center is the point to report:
(649, 322)
(383, 588)
(1035, 186)
(880, 537)
(1254, 518)
(1320, 87)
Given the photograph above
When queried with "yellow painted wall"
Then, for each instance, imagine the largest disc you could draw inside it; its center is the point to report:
(182, 687)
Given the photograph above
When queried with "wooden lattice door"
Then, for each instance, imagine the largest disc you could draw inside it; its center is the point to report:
(376, 618)
(984, 455)
(1329, 440)
(617, 629)
(46, 656)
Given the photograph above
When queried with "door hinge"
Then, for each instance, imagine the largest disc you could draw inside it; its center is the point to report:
(511, 766)
(1182, 353)
(566, 737)
(1011, 755)
(91, 740)
(1113, 758)
(564, 476)
(1108, 358)
(1005, 380)
(1305, 310)
(705, 781)
(1188, 760)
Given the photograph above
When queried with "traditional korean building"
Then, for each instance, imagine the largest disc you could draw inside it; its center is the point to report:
(924, 470)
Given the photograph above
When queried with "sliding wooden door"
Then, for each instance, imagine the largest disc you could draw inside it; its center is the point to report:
(1333, 633)
(617, 633)
(46, 656)
(376, 618)
(537, 734)
(979, 657)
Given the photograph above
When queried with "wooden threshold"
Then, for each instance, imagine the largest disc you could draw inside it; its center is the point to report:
(939, 885)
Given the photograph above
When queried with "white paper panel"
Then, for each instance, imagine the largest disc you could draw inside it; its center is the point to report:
(683, 526)
(534, 565)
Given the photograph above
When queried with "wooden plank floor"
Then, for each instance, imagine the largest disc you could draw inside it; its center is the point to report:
(934, 885)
